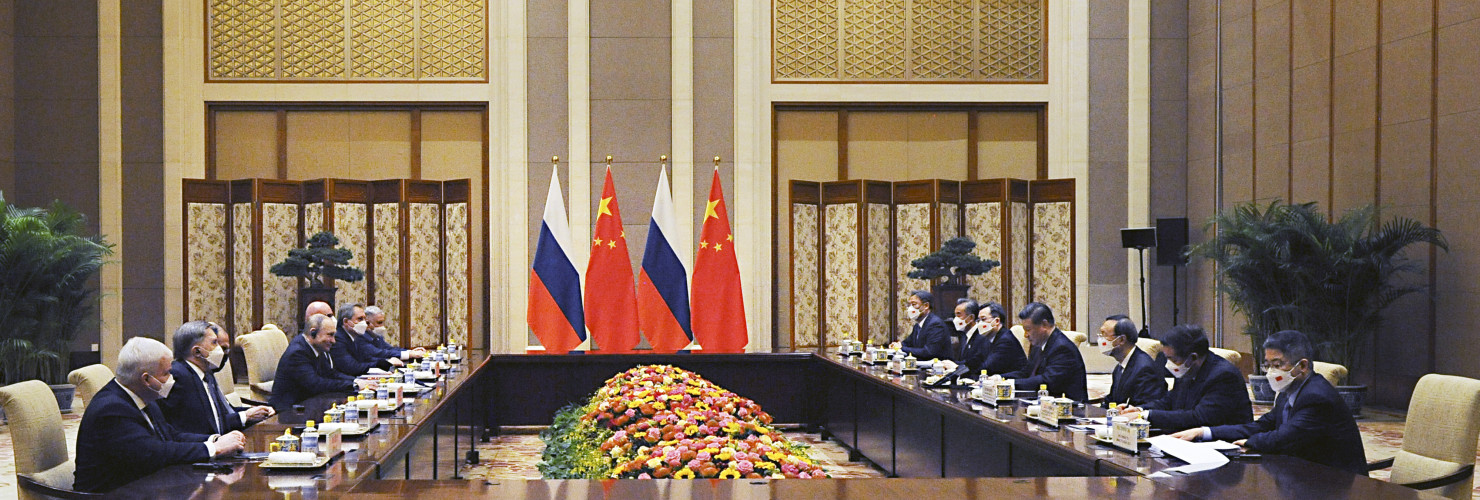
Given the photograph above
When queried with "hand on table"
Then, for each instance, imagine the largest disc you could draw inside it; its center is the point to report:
(894, 345)
(366, 384)
(259, 412)
(229, 443)
(1242, 444)
(1192, 434)
(396, 362)
(420, 352)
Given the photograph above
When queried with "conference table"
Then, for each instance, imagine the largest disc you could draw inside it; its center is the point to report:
(930, 442)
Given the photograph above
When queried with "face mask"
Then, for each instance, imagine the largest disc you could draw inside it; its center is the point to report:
(914, 313)
(215, 357)
(379, 331)
(1279, 379)
(164, 390)
(1106, 347)
(960, 323)
(360, 328)
(1176, 369)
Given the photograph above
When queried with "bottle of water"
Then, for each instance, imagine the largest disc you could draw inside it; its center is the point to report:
(409, 376)
(311, 438)
(1043, 397)
(381, 391)
(351, 412)
(1110, 415)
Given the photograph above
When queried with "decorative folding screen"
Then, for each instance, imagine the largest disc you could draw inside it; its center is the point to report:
(995, 227)
(926, 214)
(1053, 247)
(856, 261)
(207, 230)
(806, 270)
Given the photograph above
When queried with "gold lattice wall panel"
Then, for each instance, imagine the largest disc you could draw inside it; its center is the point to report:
(339, 40)
(909, 40)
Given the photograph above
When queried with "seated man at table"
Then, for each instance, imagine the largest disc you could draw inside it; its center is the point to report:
(1135, 381)
(929, 338)
(1209, 390)
(993, 348)
(348, 357)
(123, 435)
(1309, 420)
(371, 343)
(307, 370)
(1054, 361)
(196, 403)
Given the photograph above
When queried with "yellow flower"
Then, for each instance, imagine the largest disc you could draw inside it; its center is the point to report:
(729, 474)
(723, 456)
(762, 429)
(766, 439)
(659, 405)
(691, 429)
(654, 463)
(684, 473)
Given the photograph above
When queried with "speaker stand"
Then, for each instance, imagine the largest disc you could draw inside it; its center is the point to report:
(1145, 321)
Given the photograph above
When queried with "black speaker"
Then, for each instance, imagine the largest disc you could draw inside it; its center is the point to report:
(1138, 237)
(1171, 241)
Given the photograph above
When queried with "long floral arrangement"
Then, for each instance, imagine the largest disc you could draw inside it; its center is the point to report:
(659, 421)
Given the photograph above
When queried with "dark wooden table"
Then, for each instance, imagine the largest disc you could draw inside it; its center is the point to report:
(935, 442)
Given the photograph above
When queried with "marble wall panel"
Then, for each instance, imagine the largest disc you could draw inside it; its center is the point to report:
(349, 226)
(912, 240)
(205, 250)
(878, 278)
(804, 287)
(243, 303)
(426, 267)
(840, 242)
(1053, 258)
(984, 226)
(387, 270)
(279, 235)
(457, 293)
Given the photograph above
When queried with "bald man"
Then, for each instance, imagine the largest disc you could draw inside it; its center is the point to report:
(318, 307)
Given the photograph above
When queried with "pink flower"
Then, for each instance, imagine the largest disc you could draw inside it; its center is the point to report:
(671, 455)
(630, 413)
(804, 476)
(695, 464)
(789, 469)
(619, 434)
(644, 476)
(704, 456)
(745, 466)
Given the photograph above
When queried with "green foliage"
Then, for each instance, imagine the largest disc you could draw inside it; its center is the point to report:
(954, 261)
(1286, 267)
(320, 260)
(573, 446)
(45, 298)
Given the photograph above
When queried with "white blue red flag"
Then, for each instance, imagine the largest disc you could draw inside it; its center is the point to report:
(555, 313)
(663, 288)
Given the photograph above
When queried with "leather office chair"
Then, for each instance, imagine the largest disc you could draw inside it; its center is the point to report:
(1022, 336)
(1150, 345)
(227, 381)
(1079, 338)
(1438, 453)
(89, 380)
(42, 467)
(262, 349)
(1229, 354)
(1332, 371)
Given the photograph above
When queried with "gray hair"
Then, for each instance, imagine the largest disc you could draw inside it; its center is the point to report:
(315, 322)
(346, 312)
(188, 335)
(372, 311)
(139, 355)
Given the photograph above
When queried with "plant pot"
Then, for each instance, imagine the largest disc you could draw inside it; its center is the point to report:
(64, 394)
(1354, 395)
(945, 299)
(309, 294)
(1263, 393)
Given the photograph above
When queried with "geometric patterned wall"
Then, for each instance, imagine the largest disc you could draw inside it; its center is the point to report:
(909, 40)
(346, 40)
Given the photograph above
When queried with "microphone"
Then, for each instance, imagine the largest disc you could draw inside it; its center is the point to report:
(952, 378)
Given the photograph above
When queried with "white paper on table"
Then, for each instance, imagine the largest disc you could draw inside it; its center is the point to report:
(376, 371)
(1199, 456)
(1222, 445)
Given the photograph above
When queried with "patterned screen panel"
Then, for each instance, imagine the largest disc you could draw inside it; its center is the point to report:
(984, 226)
(243, 303)
(205, 251)
(349, 227)
(1053, 279)
(313, 220)
(426, 268)
(840, 242)
(950, 221)
(387, 270)
(912, 230)
(1019, 235)
(804, 272)
(909, 40)
(338, 40)
(456, 295)
(878, 279)
(279, 235)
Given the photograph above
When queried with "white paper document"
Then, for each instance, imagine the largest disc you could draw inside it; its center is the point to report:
(1199, 456)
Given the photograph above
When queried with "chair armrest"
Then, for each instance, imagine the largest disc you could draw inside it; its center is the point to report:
(1380, 464)
(34, 488)
(1459, 475)
(253, 402)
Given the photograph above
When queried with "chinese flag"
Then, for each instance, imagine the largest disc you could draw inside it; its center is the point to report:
(719, 315)
(611, 299)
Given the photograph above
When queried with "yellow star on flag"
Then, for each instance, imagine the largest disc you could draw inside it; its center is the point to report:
(604, 210)
(703, 244)
(596, 241)
(709, 210)
(718, 247)
(611, 244)
(729, 237)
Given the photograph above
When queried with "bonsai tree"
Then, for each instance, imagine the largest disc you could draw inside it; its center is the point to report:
(320, 261)
(1285, 266)
(953, 262)
(46, 264)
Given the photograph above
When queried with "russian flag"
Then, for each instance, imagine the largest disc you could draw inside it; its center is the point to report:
(663, 288)
(555, 313)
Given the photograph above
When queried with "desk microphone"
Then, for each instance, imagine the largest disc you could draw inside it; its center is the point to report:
(952, 378)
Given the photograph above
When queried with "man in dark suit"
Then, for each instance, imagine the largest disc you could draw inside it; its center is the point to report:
(1209, 390)
(929, 338)
(993, 348)
(1309, 420)
(196, 403)
(123, 435)
(306, 368)
(370, 340)
(1054, 360)
(1135, 381)
(349, 358)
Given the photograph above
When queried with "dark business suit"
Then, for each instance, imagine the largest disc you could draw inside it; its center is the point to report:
(1138, 382)
(303, 373)
(997, 353)
(1318, 427)
(1057, 364)
(1213, 395)
(929, 339)
(189, 408)
(116, 445)
(369, 346)
(347, 356)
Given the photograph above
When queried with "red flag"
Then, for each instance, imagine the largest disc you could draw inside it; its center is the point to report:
(719, 312)
(611, 298)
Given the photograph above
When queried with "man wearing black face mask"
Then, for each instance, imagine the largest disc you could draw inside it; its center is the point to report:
(1209, 390)
(196, 404)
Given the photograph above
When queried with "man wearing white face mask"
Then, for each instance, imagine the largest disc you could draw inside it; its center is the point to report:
(928, 338)
(196, 404)
(1135, 380)
(348, 357)
(371, 343)
(1209, 390)
(123, 435)
(1309, 420)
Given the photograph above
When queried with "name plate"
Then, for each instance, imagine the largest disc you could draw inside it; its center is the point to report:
(1124, 436)
(1049, 414)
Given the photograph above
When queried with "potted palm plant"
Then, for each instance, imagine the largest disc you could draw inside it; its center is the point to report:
(947, 270)
(46, 263)
(319, 263)
(1286, 266)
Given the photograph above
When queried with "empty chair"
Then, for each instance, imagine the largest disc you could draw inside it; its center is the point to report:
(1150, 345)
(1332, 371)
(1022, 336)
(89, 380)
(1438, 453)
(41, 463)
(262, 349)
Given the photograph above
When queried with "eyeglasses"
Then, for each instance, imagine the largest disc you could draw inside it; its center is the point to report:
(1277, 364)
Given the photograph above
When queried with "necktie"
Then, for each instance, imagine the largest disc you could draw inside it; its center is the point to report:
(218, 403)
(1115, 385)
(1037, 357)
(148, 419)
